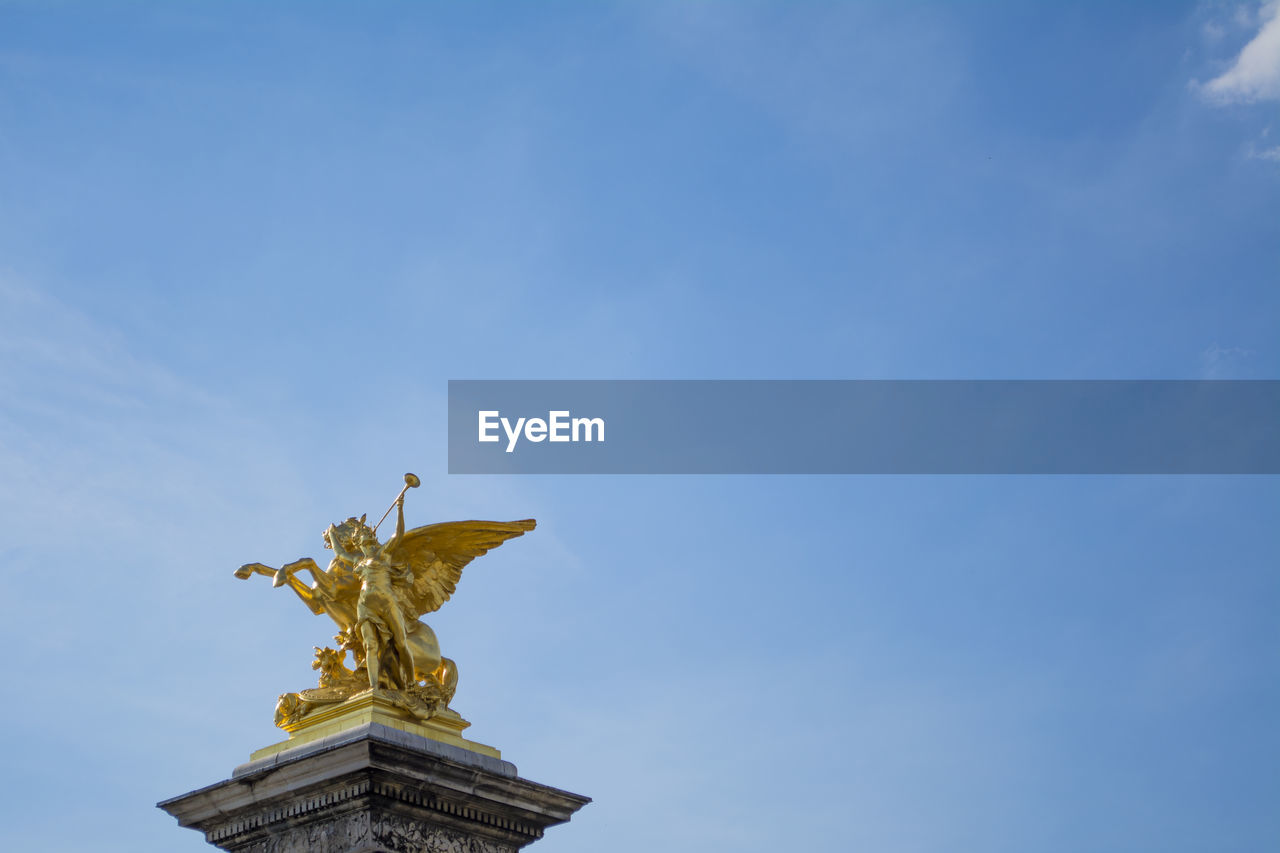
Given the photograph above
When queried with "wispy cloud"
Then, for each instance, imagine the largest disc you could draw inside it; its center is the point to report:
(1219, 362)
(1255, 73)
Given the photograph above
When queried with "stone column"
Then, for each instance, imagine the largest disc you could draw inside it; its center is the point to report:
(374, 789)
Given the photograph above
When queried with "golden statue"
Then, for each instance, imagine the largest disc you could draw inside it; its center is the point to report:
(375, 592)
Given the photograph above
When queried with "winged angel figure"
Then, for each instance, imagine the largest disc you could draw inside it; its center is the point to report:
(375, 592)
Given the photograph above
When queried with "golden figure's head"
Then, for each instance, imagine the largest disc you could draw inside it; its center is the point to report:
(349, 533)
(363, 536)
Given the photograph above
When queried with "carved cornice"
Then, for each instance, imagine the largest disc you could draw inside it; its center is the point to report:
(345, 797)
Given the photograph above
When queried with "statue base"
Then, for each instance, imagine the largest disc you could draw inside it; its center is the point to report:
(373, 707)
(374, 788)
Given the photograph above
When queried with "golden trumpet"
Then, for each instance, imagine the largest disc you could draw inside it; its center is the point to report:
(411, 481)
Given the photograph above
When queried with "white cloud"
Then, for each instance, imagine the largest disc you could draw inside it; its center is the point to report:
(1255, 74)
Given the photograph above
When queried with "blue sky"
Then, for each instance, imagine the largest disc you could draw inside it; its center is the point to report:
(244, 246)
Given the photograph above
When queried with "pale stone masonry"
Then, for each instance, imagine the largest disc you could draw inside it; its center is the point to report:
(374, 789)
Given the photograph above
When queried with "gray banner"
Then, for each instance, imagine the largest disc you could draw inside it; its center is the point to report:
(863, 427)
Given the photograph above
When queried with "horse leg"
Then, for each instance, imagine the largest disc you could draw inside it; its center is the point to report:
(249, 569)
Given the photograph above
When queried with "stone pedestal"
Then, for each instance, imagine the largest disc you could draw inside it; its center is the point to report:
(373, 788)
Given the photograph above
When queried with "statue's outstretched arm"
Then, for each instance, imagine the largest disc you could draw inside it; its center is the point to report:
(399, 534)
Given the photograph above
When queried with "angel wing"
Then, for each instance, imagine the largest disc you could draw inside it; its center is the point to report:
(437, 554)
